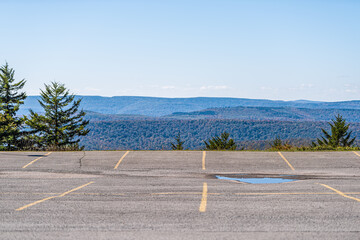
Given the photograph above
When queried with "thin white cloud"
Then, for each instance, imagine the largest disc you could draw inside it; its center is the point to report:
(351, 90)
(168, 87)
(222, 87)
(303, 86)
(307, 85)
(265, 88)
(90, 89)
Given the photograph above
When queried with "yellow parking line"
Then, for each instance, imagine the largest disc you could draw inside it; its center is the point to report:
(36, 202)
(36, 160)
(356, 153)
(340, 193)
(74, 189)
(282, 156)
(202, 207)
(48, 198)
(122, 158)
(285, 193)
(203, 160)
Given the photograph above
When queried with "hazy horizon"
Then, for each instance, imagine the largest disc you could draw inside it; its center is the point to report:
(307, 100)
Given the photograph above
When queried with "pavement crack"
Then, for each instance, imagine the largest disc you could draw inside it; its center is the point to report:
(80, 159)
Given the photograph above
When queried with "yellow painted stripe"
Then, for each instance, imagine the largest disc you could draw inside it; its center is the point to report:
(285, 193)
(340, 193)
(74, 189)
(122, 158)
(34, 203)
(203, 160)
(36, 160)
(48, 198)
(282, 156)
(203, 203)
(356, 153)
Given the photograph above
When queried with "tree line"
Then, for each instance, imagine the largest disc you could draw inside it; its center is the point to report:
(338, 138)
(57, 128)
(159, 134)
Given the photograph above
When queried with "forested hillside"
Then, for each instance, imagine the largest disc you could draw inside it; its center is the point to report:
(157, 134)
(270, 113)
(146, 123)
(156, 107)
(94, 116)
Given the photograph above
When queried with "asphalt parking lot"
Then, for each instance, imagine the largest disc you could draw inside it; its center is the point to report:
(176, 195)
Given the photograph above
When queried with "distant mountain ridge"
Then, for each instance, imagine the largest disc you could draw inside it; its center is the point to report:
(269, 113)
(157, 107)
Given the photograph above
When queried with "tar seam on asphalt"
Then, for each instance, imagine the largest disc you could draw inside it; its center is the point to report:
(80, 159)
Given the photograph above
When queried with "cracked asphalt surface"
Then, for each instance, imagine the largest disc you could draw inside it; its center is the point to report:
(175, 195)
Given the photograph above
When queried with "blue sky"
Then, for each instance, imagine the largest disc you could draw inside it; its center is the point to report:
(226, 48)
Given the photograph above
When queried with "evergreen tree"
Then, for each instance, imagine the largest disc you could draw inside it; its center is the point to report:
(62, 124)
(10, 101)
(179, 144)
(278, 144)
(221, 143)
(339, 136)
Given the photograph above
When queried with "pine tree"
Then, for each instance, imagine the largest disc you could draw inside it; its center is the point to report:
(221, 143)
(339, 136)
(62, 124)
(179, 144)
(10, 101)
(278, 144)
